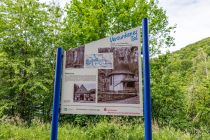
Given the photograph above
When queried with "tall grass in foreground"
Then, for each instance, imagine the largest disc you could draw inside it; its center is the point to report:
(101, 131)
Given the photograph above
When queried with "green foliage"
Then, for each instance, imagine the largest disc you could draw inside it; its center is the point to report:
(180, 87)
(26, 60)
(90, 20)
(31, 31)
(167, 95)
(101, 131)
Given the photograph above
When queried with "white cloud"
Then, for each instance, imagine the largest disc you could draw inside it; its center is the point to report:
(192, 18)
(57, 2)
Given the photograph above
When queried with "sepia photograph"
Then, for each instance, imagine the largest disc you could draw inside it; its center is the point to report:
(75, 57)
(85, 92)
(121, 84)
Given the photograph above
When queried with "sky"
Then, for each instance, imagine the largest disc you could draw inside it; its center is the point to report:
(88, 86)
(192, 18)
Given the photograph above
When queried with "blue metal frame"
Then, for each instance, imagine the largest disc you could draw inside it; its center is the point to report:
(147, 97)
(56, 98)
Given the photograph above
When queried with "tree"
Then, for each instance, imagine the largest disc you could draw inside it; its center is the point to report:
(90, 20)
(167, 95)
(198, 90)
(180, 87)
(26, 62)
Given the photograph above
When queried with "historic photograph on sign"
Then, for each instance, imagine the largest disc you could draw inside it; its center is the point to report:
(85, 93)
(75, 58)
(121, 84)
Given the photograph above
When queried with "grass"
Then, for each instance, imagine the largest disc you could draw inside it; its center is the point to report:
(101, 131)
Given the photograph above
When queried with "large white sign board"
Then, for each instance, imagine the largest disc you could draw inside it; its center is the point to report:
(104, 77)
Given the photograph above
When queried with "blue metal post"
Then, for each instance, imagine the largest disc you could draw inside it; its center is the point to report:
(56, 98)
(147, 97)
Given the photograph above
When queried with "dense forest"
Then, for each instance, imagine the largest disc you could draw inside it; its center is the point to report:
(180, 83)
(31, 31)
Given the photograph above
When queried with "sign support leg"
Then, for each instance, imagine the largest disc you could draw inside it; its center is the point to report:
(56, 98)
(147, 97)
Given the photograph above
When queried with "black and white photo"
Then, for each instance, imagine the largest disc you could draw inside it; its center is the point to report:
(85, 92)
(75, 57)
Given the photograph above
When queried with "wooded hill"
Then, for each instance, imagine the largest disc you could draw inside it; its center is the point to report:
(181, 86)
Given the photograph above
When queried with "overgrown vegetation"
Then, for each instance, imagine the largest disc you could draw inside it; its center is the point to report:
(181, 83)
(104, 130)
(31, 31)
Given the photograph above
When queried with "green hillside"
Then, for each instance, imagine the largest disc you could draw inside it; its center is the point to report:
(181, 87)
(194, 48)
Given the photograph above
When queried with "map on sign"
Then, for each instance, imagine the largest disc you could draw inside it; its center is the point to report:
(104, 77)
